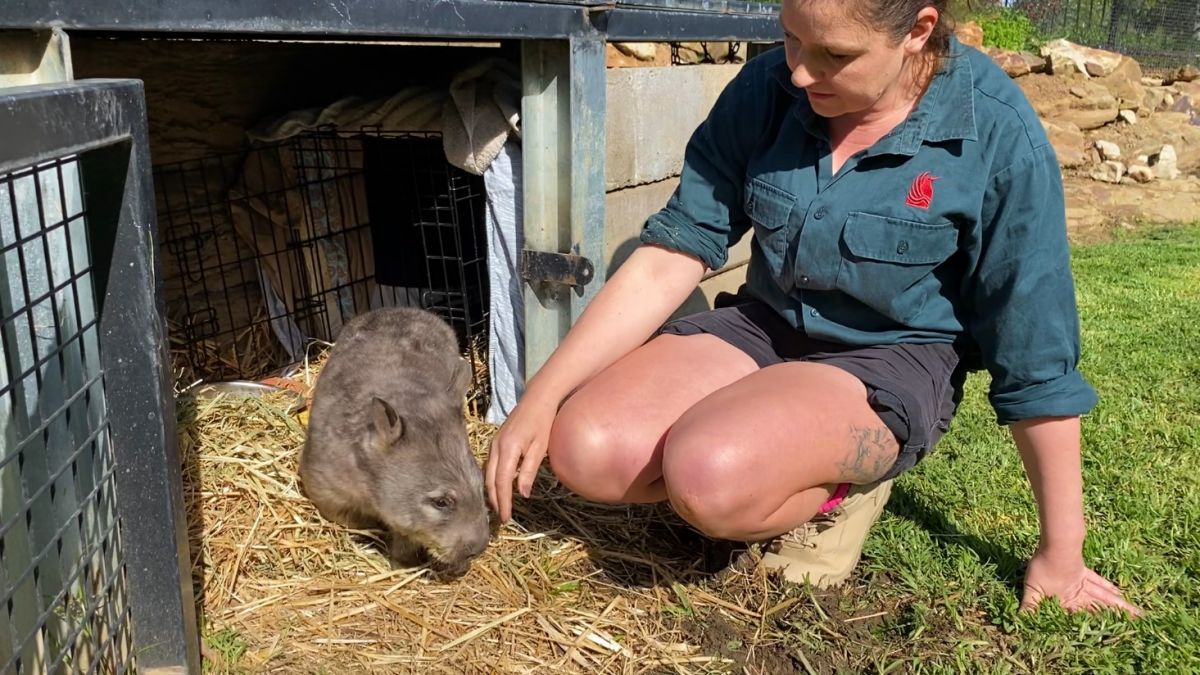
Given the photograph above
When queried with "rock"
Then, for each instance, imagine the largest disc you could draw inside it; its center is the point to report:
(1060, 64)
(1108, 150)
(1011, 62)
(970, 33)
(1188, 73)
(1140, 173)
(1085, 103)
(615, 58)
(1186, 105)
(1128, 116)
(1143, 159)
(1092, 155)
(1191, 89)
(642, 51)
(1155, 99)
(1037, 64)
(705, 52)
(1109, 172)
(1166, 163)
(1165, 128)
(1068, 143)
(1066, 57)
(631, 55)
(726, 52)
(1125, 83)
(1152, 82)
(689, 53)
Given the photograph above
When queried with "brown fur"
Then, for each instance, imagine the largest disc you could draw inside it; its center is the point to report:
(387, 443)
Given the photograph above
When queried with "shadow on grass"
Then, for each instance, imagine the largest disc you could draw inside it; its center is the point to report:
(922, 511)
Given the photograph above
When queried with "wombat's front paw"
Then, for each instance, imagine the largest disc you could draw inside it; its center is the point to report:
(405, 553)
(449, 571)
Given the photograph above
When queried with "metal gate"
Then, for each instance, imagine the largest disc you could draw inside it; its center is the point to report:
(94, 564)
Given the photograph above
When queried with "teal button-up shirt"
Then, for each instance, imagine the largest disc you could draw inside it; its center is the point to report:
(951, 228)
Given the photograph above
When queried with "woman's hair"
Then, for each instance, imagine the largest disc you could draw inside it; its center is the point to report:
(896, 19)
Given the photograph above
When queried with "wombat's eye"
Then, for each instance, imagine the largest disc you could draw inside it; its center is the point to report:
(444, 503)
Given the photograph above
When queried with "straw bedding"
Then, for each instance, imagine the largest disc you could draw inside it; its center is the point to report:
(567, 587)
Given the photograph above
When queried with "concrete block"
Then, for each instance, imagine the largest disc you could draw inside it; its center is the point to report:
(626, 211)
(652, 113)
(702, 298)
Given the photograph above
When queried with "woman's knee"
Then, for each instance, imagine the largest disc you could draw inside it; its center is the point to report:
(706, 487)
(589, 456)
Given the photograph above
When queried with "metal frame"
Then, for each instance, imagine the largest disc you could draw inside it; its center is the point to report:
(34, 57)
(482, 19)
(106, 119)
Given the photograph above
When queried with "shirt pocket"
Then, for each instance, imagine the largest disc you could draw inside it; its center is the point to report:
(887, 263)
(769, 209)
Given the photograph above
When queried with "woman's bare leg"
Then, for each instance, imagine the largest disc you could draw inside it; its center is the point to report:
(606, 443)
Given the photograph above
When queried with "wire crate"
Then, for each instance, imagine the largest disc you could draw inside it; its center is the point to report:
(268, 251)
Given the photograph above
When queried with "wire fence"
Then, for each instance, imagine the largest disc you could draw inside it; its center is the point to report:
(1161, 34)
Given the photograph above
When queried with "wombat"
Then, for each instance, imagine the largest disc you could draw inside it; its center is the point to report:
(387, 443)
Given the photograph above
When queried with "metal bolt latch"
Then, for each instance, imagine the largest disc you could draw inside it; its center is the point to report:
(557, 268)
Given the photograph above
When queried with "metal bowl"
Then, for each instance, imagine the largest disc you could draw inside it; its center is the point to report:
(244, 388)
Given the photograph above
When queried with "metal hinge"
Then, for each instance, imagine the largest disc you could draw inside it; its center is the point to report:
(557, 268)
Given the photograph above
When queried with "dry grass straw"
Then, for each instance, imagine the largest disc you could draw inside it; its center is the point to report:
(567, 587)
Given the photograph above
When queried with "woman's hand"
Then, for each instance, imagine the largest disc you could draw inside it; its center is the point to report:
(1076, 587)
(1050, 450)
(517, 451)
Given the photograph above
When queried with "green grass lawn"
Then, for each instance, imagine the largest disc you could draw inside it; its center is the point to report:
(945, 562)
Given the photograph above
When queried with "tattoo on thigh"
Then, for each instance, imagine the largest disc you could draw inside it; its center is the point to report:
(873, 451)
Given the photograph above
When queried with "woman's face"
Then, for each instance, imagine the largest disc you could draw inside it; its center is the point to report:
(845, 66)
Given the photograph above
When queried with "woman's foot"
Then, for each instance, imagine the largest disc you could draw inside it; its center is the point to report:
(825, 550)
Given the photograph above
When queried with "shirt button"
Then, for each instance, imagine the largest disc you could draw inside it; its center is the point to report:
(902, 247)
(813, 312)
(819, 214)
(803, 279)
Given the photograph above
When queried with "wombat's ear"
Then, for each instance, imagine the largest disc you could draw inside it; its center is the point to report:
(386, 425)
(460, 378)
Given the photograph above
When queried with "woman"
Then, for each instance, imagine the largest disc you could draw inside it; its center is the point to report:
(908, 223)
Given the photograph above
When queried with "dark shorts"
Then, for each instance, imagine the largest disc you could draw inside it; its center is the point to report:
(914, 388)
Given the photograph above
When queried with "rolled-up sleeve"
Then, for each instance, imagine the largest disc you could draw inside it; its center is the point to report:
(704, 216)
(1024, 316)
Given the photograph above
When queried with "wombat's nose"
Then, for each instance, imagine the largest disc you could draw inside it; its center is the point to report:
(479, 546)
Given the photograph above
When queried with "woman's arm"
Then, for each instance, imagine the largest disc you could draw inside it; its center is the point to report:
(643, 293)
(1050, 450)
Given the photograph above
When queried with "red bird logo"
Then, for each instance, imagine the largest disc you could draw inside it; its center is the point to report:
(920, 194)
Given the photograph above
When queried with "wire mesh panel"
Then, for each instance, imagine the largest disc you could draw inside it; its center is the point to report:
(94, 557)
(1159, 33)
(61, 570)
(267, 250)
